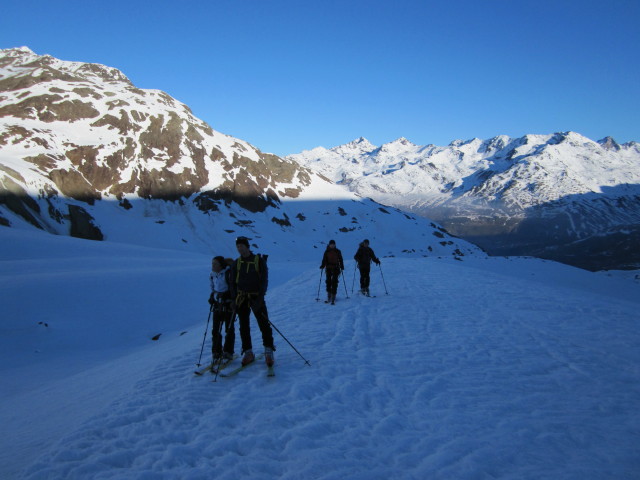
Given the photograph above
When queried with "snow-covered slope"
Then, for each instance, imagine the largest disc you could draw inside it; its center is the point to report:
(86, 153)
(487, 368)
(511, 195)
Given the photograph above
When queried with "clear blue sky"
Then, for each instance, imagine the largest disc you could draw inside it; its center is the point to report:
(288, 75)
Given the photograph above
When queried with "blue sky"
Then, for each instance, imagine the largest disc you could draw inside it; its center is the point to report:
(290, 75)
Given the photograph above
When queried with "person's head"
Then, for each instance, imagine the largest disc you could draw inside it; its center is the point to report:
(242, 244)
(332, 244)
(365, 242)
(218, 264)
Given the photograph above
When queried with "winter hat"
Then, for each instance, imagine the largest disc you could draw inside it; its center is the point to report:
(242, 240)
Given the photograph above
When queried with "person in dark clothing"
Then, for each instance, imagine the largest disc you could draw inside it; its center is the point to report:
(333, 265)
(249, 281)
(220, 301)
(364, 256)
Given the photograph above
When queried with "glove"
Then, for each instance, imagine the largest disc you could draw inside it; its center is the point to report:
(321, 267)
(212, 298)
(377, 262)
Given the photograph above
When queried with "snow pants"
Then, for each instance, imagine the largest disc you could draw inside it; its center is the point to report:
(333, 278)
(365, 269)
(246, 305)
(222, 317)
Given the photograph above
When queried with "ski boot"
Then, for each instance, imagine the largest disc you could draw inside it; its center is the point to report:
(248, 357)
(269, 358)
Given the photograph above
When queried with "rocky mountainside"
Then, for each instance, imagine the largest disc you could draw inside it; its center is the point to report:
(560, 196)
(86, 153)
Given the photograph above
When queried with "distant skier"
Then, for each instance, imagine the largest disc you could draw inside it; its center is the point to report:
(249, 281)
(364, 256)
(333, 265)
(220, 301)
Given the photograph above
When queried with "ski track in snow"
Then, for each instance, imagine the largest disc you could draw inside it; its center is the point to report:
(458, 373)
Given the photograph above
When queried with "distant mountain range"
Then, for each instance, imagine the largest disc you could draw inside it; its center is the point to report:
(560, 196)
(83, 152)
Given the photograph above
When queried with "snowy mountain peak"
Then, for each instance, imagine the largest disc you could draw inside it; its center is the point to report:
(398, 145)
(16, 52)
(609, 143)
(495, 144)
(359, 146)
(402, 141)
(21, 56)
(461, 143)
(362, 142)
(22, 62)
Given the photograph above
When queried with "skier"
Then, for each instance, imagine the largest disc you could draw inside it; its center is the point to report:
(220, 301)
(364, 256)
(333, 264)
(249, 281)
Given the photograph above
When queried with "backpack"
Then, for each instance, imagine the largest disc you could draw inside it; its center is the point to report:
(227, 276)
(255, 262)
(333, 258)
(363, 255)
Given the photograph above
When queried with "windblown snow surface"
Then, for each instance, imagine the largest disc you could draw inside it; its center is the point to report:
(485, 368)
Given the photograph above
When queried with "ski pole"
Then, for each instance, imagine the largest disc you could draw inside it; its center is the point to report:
(319, 284)
(353, 284)
(205, 335)
(290, 344)
(383, 282)
(345, 284)
(229, 325)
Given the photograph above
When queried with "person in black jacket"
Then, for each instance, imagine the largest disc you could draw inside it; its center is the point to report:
(364, 256)
(333, 265)
(249, 282)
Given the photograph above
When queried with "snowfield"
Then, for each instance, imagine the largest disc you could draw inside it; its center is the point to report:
(475, 369)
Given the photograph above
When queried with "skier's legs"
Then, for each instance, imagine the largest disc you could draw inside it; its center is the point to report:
(243, 311)
(230, 332)
(332, 281)
(259, 308)
(328, 279)
(364, 276)
(216, 337)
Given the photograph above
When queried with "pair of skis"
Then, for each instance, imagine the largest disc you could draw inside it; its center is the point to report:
(364, 294)
(215, 367)
(212, 368)
(270, 370)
